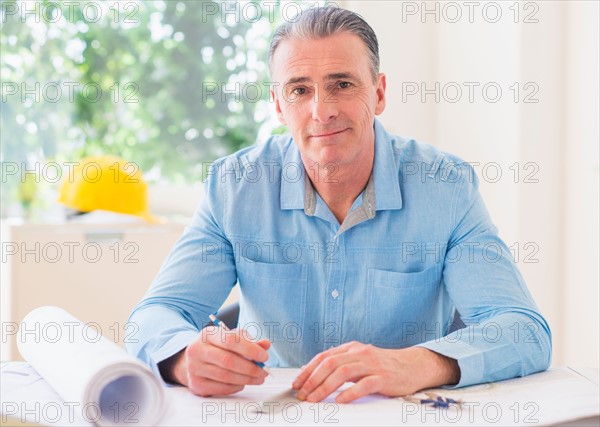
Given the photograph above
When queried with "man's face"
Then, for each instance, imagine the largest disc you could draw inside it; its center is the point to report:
(326, 95)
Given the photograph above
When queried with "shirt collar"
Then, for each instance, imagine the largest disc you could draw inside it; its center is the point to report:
(292, 179)
(382, 191)
(386, 171)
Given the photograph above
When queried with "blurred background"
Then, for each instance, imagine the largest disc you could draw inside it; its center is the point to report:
(169, 86)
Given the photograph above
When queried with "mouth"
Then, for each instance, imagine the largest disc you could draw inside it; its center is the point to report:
(328, 134)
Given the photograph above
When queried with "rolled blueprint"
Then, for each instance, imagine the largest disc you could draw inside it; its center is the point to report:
(82, 366)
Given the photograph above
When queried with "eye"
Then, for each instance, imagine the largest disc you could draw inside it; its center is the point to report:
(299, 91)
(345, 85)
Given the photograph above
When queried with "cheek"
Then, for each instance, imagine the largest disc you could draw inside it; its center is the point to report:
(360, 101)
(294, 113)
(362, 108)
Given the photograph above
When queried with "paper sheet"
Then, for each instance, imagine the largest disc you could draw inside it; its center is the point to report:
(25, 396)
(107, 385)
(545, 398)
(75, 373)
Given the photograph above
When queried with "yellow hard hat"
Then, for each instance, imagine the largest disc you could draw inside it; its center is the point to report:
(106, 182)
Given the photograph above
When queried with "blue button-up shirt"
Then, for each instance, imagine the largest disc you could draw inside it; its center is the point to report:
(417, 245)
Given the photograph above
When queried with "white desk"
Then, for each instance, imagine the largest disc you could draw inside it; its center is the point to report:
(98, 272)
(558, 396)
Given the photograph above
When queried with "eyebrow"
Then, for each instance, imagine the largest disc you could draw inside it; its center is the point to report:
(341, 76)
(328, 77)
(295, 80)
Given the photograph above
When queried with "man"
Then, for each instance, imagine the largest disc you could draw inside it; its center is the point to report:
(352, 247)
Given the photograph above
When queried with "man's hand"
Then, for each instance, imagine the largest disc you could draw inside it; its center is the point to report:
(374, 370)
(219, 362)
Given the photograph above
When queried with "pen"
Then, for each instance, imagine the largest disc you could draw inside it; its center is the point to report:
(221, 324)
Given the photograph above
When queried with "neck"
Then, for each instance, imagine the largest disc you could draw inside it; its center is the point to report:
(340, 185)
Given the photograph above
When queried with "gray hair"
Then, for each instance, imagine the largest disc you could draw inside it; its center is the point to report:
(320, 22)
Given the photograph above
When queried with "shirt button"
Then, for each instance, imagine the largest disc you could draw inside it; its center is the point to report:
(335, 294)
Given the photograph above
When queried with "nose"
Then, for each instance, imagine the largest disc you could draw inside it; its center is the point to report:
(325, 108)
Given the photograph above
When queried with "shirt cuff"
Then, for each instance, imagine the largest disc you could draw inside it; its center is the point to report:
(469, 358)
(177, 343)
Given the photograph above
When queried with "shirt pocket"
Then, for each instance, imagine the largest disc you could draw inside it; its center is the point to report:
(273, 299)
(402, 307)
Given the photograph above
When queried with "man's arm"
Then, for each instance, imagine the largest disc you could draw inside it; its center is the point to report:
(171, 320)
(506, 336)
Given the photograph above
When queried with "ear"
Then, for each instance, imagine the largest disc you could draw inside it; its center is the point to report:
(380, 92)
(278, 110)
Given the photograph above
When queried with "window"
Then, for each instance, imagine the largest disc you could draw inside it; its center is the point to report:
(168, 85)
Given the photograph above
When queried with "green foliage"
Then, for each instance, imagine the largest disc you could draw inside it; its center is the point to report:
(142, 80)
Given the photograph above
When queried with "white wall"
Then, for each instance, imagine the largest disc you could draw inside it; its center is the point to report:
(580, 286)
(554, 141)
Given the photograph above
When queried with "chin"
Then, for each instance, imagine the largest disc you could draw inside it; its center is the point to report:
(327, 155)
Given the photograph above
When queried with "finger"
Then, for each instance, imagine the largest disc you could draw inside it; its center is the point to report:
(206, 387)
(266, 344)
(365, 386)
(201, 354)
(344, 372)
(309, 368)
(236, 341)
(325, 369)
(307, 371)
(218, 374)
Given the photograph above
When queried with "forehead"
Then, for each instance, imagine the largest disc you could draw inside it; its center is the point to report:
(314, 58)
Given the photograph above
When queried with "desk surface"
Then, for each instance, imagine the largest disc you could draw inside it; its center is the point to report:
(557, 396)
